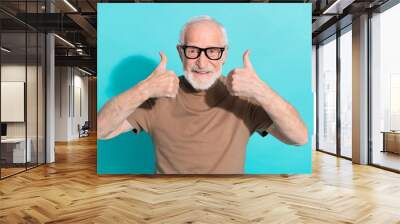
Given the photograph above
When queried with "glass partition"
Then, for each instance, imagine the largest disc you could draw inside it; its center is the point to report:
(13, 105)
(22, 88)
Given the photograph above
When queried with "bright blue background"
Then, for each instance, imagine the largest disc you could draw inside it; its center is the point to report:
(279, 35)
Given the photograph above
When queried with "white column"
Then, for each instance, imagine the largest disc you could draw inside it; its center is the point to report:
(50, 93)
(360, 90)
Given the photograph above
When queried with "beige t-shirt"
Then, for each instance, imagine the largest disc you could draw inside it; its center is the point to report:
(200, 131)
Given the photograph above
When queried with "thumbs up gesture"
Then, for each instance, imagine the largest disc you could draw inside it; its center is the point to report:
(161, 82)
(244, 82)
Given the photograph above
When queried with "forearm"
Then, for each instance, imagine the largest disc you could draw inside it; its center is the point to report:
(115, 111)
(284, 116)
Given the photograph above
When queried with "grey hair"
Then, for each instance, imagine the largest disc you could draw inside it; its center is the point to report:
(200, 19)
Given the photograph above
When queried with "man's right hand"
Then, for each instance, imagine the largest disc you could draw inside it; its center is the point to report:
(161, 83)
(112, 119)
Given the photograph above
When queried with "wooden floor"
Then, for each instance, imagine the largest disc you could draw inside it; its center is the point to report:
(5, 172)
(70, 191)
(387, 159)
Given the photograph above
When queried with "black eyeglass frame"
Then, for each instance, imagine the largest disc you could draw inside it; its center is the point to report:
(222, 49)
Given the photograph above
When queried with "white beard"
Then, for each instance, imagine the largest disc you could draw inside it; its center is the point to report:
(201, 84)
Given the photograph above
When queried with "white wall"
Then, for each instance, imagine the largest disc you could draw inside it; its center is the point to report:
(61, 103)
(70, 83)
(16, 72)
(33, 127)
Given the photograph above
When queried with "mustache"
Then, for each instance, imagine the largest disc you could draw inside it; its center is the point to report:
(195, 68)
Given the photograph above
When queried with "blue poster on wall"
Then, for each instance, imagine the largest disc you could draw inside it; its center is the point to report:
(268, 106)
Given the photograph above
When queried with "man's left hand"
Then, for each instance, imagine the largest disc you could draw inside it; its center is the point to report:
(244, 82)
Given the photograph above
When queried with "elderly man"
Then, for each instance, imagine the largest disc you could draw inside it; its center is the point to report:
(201, 122)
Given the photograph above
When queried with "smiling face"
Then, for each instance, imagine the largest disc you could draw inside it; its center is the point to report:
(202, 72)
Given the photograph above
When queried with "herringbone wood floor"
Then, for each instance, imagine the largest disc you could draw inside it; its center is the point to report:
(70, 191)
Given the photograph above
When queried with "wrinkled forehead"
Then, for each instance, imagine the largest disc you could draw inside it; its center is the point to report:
(204, 34)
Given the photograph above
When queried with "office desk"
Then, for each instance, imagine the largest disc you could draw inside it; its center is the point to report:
(391, 141)
(13, 150)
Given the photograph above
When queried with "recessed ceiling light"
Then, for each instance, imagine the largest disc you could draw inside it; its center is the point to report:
(70, 5)
(5, 50)
(84, 71)
(64, 40)
(338, 6)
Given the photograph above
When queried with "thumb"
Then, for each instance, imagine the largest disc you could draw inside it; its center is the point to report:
(246, 60)
(162, 66)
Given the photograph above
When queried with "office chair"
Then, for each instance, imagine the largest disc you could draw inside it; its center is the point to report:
(84, 130)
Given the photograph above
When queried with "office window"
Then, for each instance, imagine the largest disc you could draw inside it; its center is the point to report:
(385, 89)
(327, 95)
(346, 92)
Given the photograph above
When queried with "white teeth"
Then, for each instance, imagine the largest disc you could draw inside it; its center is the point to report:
(201, 72)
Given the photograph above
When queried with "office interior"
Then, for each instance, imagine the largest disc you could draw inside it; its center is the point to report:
(48, 82)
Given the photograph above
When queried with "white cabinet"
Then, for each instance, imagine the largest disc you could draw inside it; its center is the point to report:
(18, 149)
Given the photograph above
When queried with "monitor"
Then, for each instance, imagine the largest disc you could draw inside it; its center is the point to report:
(3, 129)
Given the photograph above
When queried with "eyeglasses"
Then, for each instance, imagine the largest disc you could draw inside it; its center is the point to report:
(212, 53)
